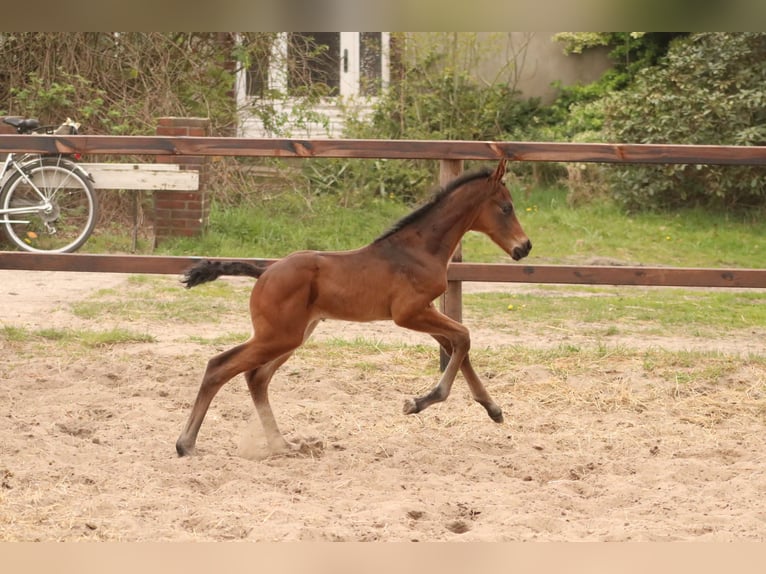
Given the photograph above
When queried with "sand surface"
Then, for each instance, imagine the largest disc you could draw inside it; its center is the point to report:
(609, 449)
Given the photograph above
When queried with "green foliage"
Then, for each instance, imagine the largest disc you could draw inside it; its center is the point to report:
(709, 90)
(35, 97)
(451, 105)
(577, 114)
(118, 83)
(358, 180)
(577, 42)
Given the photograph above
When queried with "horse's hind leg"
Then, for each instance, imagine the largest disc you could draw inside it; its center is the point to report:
(258, 383)
(220, 369)
(479, 392)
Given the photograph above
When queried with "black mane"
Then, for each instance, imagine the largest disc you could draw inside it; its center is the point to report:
(435, 199)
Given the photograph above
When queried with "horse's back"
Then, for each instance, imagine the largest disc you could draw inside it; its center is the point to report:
(349, 285)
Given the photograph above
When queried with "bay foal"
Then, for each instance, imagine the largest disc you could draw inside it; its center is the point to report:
(396, 277)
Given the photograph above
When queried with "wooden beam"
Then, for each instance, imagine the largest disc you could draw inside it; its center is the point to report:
(93, 263)
(392, 149)
(608, 275)
(142, 176)
(481, 272)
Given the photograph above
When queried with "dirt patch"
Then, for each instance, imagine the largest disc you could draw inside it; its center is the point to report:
(596, 446)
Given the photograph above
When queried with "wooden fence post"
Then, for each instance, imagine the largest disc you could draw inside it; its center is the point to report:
(451, 302)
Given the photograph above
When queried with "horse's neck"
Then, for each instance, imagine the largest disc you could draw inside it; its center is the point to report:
(441, 229)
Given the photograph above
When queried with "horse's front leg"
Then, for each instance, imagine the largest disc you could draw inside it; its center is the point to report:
(478, 391)
(455, 335)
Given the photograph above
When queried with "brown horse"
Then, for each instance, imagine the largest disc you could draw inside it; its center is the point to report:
(396, 277)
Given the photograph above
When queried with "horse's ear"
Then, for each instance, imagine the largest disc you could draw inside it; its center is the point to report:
(499, 171)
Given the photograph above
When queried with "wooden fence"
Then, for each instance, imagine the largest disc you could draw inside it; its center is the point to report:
(451, 155)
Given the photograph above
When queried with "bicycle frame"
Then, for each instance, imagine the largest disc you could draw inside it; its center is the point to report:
(11, 164)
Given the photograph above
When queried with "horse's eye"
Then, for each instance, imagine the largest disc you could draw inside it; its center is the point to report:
(507, 208)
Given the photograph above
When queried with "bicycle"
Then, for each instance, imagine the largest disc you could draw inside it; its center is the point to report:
(47, 203)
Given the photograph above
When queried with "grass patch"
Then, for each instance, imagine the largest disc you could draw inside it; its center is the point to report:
(161, 299)
(83, 337)
(562, 234)
(566, 362)
(12, 334)
(228, 339)
(290, 222)
(621, 309)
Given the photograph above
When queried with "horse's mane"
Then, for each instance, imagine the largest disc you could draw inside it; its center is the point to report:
(436, 198)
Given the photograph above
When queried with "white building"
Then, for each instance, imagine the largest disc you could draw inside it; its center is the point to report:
(352, 68)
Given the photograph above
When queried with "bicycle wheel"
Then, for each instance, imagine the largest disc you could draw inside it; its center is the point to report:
(51, 208)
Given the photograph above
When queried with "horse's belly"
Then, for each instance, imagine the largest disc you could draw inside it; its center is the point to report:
(355, 308)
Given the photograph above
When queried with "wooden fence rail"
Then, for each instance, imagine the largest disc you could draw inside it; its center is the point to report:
(390, 149)
(450, 154)
(482, 272)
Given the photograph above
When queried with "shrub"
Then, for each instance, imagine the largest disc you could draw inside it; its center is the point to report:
(442, 104)
(708, 90)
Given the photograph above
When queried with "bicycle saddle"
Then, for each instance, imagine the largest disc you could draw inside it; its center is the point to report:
(22, 124)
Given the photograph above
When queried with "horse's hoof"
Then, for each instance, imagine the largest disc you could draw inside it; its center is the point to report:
(494, 412)
(410, 407)
(184, 450)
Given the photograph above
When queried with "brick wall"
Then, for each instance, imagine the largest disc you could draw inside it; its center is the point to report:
(182, 213)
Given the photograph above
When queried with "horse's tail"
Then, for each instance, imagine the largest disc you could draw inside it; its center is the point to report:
(206, 271)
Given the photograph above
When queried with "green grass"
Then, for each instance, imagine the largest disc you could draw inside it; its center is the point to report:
(83, 337)
(156, 298)
(561, 234)
(614, 310)
(290, 223)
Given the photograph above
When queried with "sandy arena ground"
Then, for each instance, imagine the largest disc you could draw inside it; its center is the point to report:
(614, 451)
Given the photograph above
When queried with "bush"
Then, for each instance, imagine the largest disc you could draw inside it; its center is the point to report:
(441, 104)
(708, 90)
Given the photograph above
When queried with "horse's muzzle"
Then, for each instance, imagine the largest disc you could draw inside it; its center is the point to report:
(522, 250)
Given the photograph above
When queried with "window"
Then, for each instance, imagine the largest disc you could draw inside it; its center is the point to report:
(313, 61)
(258, 78)
(370, 63)
(338, 63)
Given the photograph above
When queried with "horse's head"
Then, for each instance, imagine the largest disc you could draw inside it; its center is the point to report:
(497, 217)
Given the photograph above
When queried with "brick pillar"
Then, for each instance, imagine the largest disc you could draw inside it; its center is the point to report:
(182, 213)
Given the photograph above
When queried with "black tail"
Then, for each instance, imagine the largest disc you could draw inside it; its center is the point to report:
(206, 271)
